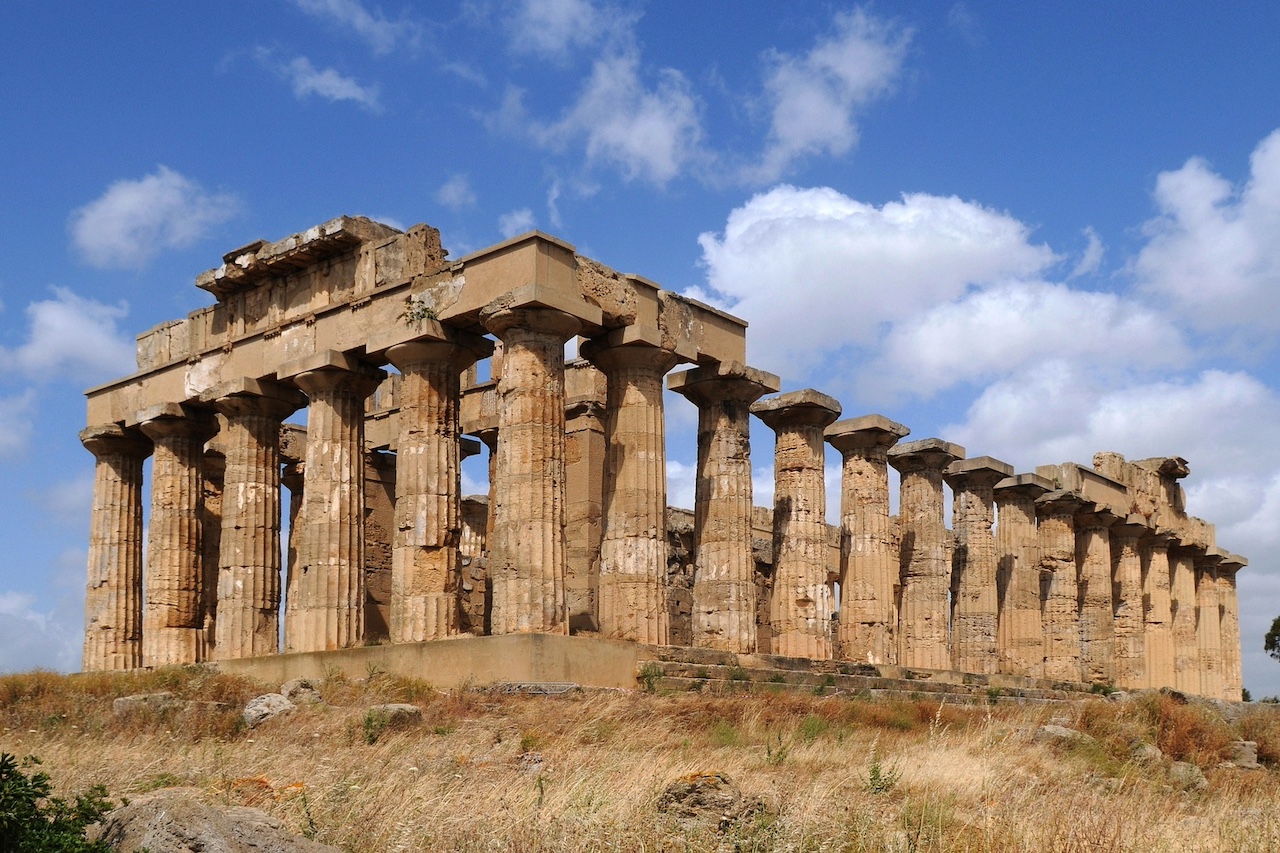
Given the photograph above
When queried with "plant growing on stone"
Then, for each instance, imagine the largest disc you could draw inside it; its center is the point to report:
(417, 309)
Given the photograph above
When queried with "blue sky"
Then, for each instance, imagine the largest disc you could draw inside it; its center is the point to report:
(1038, 230)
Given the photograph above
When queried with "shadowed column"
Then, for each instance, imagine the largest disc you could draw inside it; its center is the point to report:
(1209, 624)
(975, 604)
(1182, 589)
(1060, 589)
(1230, 606)
(1020, 633)
(1130, 648)
(1097, 616)
(1157, 614)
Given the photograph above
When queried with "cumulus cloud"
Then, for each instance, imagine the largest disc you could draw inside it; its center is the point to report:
(350, 16)
(1214, 249)
(72, 337)
(1091, 258)
(135, 219)
(32, 637)
(456, 193)
(551, 29)
(308, 80)
(515, 222)
(813, 99)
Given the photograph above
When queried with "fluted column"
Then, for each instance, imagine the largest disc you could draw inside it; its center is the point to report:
(425, 562)
(632, 594)
(1230, 606)
(925, 558)
(248, 618)
(1020, 633)
(1209, 625)
(1182, 590)
(1130, 648)
(975, 603)
(325, 607)
(526, 549)
(800, 609)
(724, 587)
(1059, 583)
(113, 594)
(173, 615)
(868, 551)
(215, 468)
(1158, 615)
(1097, 615)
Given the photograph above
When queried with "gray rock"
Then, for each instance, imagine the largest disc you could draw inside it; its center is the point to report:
(1055, 734)
(1187, 776)
(707, 797)
(1147, 753)
(265, 707)
(531, 762)
(1244, 755)
(300, 691)
(398, 714)
(163, 701)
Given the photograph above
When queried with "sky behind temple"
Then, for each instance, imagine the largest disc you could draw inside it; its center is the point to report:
(1037, 230)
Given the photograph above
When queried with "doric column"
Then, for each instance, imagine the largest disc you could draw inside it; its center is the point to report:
(248, 617)
(215, 468)
(292, 477)
(424, 558)
(489, 438)
(1020, 634)
(586, 452)
(526, 549)
(1056, 511)
(1209, 625)
(1097, 615)
(724, 587)
(975, 602)
(868, 552)
(800, 608)
(1182, 591)
(631, 601)
(1130, 648)
(113, 594)
(173, 615)
(1158, 615)
(925, 558)
(325, 606)
(1229, 602)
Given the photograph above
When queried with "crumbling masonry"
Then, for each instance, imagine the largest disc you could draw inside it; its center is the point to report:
(1071, 573)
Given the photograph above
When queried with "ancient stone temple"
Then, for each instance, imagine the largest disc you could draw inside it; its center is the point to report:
(402, 363)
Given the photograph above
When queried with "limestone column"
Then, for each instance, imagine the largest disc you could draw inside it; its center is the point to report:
(1097, 614)
(586, 452)
(632, 596)
(1056, 511)
(248, 617)
(292, 477)
(1209, 625)
(1020, 633)
(113, 594)
(868, 551)
(1130, 648)
(173, 614)
(800, 608)
(215, 467)
(425, 562)
(925, 558)
(325, 607)
(526, 548)
(1229, 602)
(724, 587)
(1158, 615)
(975, 602)
(489, 438)
(1182, 590)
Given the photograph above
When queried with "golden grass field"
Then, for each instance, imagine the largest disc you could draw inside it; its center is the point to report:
(584, 771)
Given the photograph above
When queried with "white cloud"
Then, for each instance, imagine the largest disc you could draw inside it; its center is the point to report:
(16, 422)
(133, 220)
(72, 337)
(813, 98)
(550, 29)
(456, 193)
(515, 222)
(31, 637)
(1091, 259)
(1214, 250)
(381, 34)
(308, 80)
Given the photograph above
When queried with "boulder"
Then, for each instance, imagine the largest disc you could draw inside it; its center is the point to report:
(707, 797)
(1244, 755)
(163, 701)
(1187, 777)
(1055, 734)
(301, 691)
(265, 707)
(398, 714)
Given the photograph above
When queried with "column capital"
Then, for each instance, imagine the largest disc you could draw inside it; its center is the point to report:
(1132, 528)
(611, 357)
(501, 319)
(1211, 558)
(459, 349)
(979, 472)
(166, 420)
(1158, 538)
(1060, 503)
(926, 454)
(246, 396)
(868, 432)
(1231, 564)
(332, 370)
(802, 408)
(1095, 517)
(110, 439)
(1031, 485)
(716, 383)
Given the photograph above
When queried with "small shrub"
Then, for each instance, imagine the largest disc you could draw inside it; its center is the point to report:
(881, 779)
(737, 673)
(375, 723)
(725, 733)
(775, 752)
(649, 675)
(811, 727)
(827, 684)
(32, 820)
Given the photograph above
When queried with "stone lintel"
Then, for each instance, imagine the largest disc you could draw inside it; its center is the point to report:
(1031, 483)
(865, 431)
(797, 407)
(976, 468)
(1174, 467)
(293, 443)
(1095, 486)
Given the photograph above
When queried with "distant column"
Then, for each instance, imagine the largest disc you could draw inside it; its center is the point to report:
(868, 551)
(1130, 649)
(1020, 634)
(800, 609)
(1059, 583)
(1232, 682)
(724, 587)
(1158, 614)
(1097, 615)
(585, 455)
(975, 603)
(1186, 648)
(113, 595)
(925, 558)
(1209, 625)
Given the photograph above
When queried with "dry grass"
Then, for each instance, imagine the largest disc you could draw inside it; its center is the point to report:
(467, 779)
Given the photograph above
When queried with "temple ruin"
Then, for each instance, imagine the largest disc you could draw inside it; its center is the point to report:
(406, 362)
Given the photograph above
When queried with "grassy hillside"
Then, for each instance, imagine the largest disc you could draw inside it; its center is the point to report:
(585, 771)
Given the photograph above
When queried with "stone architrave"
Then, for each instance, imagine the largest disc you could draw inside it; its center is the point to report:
(1209, 624)
(1097, 613)
(248, 613)
(173, 614)
(1059, 581)
(527, 544)
(1020, 632)
(1229, 602)
(1182, 591)
(925, 556)
(868, 552)
(724, 587)
(113, 595)
(800, 608)
(975, 602)
(631, 602)
(1130, 650)
(1157, 615)
(325, 604)
(425, 561)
